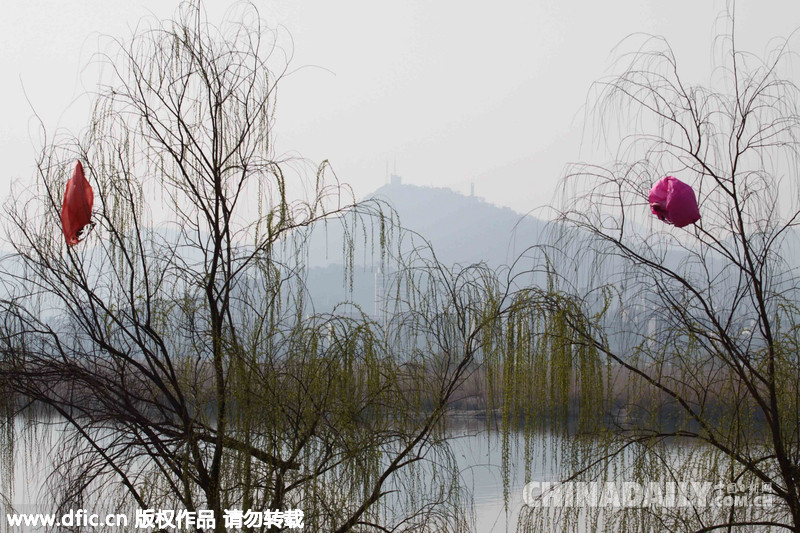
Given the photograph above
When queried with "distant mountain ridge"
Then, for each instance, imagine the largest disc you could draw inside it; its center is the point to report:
(462, 229)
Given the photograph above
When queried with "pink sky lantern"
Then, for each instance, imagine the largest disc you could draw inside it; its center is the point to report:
(76, 210)
(674, 202)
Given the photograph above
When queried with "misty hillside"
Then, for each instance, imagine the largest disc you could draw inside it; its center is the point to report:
(462, 229)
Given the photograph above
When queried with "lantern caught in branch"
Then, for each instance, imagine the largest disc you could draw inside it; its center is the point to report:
(674, 202)
(76, 210)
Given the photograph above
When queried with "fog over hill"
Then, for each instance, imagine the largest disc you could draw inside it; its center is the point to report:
(461, 230)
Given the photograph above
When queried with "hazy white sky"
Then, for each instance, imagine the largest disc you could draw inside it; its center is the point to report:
(453, 92)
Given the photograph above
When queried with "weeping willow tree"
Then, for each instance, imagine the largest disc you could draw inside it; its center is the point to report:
(183, 359)
(176, 353)
(699, 324)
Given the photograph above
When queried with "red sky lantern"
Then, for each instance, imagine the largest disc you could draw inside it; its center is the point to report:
(76, 210)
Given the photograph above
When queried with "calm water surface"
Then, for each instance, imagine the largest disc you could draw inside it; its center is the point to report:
(478, 454)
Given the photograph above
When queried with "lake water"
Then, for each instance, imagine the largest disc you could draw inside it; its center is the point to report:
(477, 453)
(479, 457)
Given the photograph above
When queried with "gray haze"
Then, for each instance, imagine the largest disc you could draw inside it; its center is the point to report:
(452, 93)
